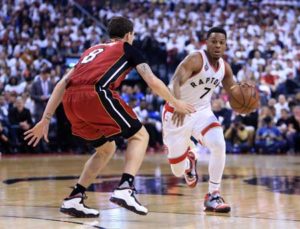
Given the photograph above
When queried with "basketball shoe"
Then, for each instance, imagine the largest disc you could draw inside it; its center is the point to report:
(190, 175)
(215, 203)
(74, 206)
(125, 197)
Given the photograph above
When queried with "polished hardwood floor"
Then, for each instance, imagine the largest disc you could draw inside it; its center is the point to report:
(264, 192)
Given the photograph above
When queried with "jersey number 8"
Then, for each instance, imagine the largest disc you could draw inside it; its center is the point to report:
(92, 55)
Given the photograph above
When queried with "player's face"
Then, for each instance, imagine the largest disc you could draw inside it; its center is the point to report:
(216, 45)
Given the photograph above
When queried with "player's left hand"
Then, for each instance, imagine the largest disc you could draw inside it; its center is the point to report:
(35, 134)
(178, 118)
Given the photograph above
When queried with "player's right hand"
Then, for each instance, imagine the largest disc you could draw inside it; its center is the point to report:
(183, 107)
(35, 134)
(178, 118)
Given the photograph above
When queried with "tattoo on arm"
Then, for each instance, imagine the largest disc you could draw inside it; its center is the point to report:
(67, 79)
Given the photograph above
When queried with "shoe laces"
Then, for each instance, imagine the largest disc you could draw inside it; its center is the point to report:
(218, 199)
(134, 191)
(83, 197)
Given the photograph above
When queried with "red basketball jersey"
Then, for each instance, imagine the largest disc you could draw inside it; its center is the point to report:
(104, 64)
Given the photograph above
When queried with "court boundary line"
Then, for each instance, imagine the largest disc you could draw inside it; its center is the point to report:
(56, 220)
(209, 214)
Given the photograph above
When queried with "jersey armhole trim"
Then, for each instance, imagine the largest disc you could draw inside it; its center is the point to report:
(224, 63)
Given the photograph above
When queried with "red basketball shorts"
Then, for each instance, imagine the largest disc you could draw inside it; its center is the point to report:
(99, 115)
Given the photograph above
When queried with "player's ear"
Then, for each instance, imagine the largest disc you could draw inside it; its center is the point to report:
(127, 36)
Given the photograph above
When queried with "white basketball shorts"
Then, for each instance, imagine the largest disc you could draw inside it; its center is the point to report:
(177, 139)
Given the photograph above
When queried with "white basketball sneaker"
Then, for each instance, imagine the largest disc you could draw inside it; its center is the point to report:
(74, 206)
(125, 197)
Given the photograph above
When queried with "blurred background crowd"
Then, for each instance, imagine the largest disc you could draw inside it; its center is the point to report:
(41, 39)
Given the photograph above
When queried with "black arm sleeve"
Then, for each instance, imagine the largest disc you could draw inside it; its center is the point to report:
(133, 55)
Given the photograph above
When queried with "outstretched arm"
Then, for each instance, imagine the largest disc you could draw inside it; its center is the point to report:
(160, 88)
(41, 128)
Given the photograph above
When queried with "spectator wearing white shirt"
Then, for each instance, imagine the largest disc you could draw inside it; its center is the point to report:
(281, 104)
(257, 62)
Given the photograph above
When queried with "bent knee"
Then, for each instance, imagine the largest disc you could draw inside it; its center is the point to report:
(216, 145)
(106, 149)
(142, 135)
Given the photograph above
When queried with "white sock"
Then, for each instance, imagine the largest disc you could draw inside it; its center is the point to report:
(214, 141)
(213, 187)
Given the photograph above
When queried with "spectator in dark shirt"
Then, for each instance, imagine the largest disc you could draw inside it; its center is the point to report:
(41, 90)
(283, 121)
(293, 132)
(4, 140)
(21, 121)
(222, 113)
(269, 138)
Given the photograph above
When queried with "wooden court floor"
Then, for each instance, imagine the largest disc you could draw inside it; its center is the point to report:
(264, 192)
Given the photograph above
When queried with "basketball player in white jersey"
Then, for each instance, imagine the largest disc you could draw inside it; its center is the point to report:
(194, 81)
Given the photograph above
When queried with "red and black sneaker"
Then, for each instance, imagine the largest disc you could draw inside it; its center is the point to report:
(215, 203)
(190, 175)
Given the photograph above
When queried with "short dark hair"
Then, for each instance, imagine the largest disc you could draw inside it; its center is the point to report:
(45, 70)
(216, 30)
(119, 26)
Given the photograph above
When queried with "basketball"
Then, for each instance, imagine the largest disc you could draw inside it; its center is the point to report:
(244, 99)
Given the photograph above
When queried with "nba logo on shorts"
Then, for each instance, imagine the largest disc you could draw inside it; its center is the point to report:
(206, 67)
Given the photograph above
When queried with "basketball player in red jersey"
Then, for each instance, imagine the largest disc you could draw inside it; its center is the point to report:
(194, 81)
(99, 115)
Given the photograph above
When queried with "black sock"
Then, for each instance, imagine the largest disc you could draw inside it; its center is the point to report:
(78, 189)
(127, 177)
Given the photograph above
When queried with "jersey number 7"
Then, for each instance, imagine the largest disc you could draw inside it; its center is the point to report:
(205, 93)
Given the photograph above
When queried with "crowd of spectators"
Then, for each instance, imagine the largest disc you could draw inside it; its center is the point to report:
(39, 37)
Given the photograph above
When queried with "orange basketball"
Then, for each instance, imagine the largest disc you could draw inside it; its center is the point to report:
(244, 99)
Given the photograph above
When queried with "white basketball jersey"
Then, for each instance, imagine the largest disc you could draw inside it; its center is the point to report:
(198, 89)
